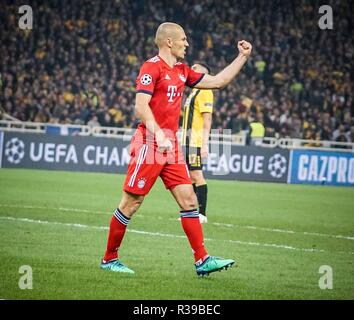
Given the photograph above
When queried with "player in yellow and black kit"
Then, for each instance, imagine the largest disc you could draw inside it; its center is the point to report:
(196, 126)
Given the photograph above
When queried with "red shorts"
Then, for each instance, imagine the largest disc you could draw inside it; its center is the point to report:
(147, 163)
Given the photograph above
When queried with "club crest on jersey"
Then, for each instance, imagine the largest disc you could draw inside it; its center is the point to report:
(145, 79)
(182, 77)
(141, 183)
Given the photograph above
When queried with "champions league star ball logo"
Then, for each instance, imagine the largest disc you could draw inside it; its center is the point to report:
(277, 165)
(14, 150)
(145, 79)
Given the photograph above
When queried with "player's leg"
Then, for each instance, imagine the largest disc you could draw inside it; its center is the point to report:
(204, 263)
(128, 205)
(201, 190)
(176, 178)
(194, 162)
(189, 214)
(140, 178)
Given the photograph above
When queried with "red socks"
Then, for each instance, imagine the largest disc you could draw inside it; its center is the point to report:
(117, 229)
(194, 232)
(190, 223)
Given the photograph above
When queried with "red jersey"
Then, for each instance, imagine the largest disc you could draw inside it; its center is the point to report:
(166, 86)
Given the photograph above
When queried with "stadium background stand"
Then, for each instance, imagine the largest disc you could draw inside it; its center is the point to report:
(79, 63)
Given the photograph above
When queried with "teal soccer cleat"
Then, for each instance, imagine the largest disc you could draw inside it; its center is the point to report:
(115, 266)
(212, 264)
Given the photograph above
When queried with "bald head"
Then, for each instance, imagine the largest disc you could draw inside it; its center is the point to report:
(167, 30)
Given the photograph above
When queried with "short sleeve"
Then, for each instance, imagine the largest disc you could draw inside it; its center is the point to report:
(205, 101)
(193, 78)
(147, 78)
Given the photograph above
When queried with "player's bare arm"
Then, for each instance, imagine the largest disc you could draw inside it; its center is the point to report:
(225, 76)
(206, 132)
(144, 112)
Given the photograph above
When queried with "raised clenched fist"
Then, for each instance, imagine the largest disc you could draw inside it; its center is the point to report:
(244, 47)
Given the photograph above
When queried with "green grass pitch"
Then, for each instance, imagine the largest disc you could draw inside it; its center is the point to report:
(280, 235)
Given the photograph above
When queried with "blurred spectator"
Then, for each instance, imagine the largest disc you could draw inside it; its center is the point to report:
(257, 130)
(350, 135)
(339, 134)
(93, 122)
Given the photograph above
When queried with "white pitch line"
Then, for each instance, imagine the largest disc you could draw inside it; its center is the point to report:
(229, 225)
(47, 208)
(285, 231)
(159, 234)
(76, 225)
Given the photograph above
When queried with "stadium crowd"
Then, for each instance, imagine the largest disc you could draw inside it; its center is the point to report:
(79, 62)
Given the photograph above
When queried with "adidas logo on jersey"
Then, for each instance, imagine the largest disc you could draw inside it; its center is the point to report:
(167, 77)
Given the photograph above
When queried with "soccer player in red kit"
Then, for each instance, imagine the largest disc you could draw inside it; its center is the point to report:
(154, 149)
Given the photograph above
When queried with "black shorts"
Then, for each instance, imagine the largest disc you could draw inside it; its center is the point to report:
(193, 158)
